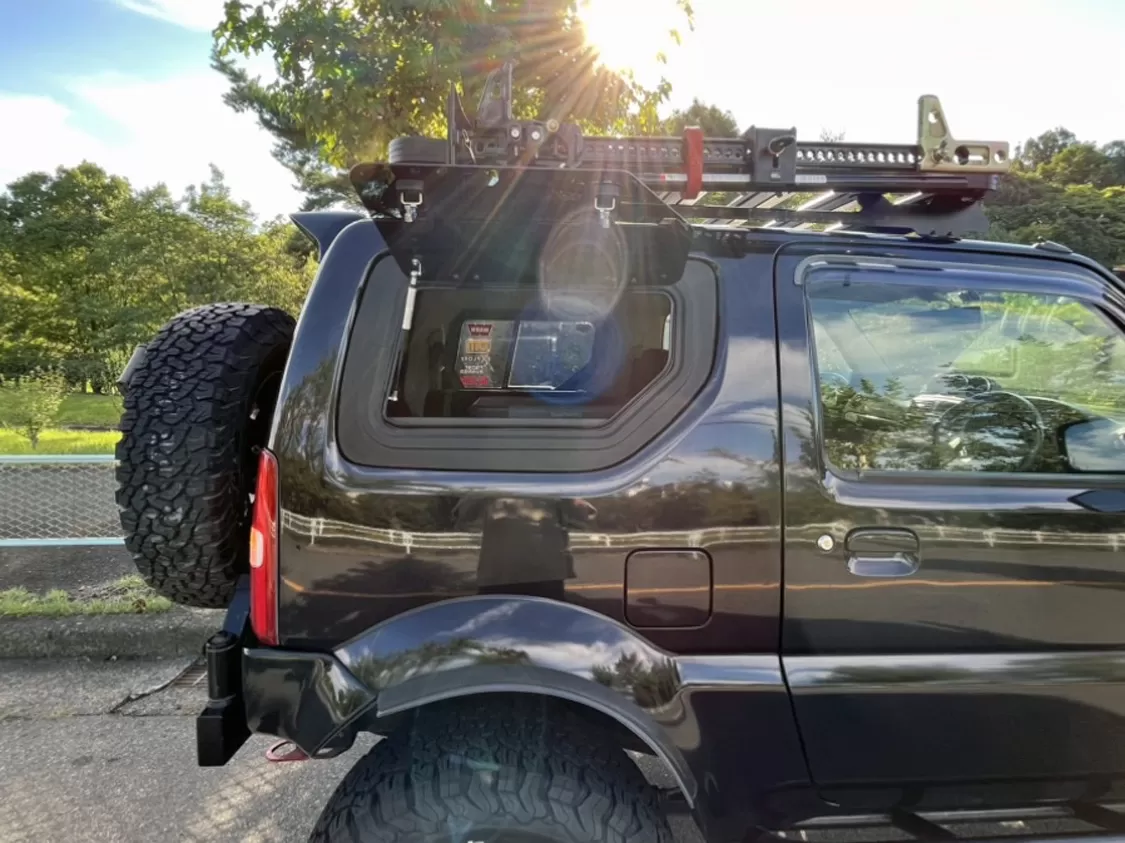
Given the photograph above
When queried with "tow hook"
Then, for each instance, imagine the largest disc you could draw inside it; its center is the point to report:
(286, 751)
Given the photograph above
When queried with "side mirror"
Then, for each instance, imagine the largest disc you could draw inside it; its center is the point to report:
(1095, 446)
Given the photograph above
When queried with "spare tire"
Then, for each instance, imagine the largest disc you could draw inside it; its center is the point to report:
(411, 149)
(198, 405)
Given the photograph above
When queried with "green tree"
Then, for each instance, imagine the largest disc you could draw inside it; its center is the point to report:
(1028, 209)
(351, 77)
(60, 300)
(716, 122)
(1065, 190)
(1115, 152)
(1036, 151)
(1081, 163)
(89, 268)
(33, 401)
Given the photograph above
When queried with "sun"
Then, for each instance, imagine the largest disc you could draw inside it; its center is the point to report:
(629, 34)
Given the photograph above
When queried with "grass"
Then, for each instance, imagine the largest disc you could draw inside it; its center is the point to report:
(79, 408)
(90, 410)
(60, 442)
(127, 596)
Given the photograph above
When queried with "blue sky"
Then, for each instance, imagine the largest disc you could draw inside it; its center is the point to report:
(46, 45)
(126, 83)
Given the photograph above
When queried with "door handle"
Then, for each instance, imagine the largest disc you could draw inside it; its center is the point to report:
(883, 552)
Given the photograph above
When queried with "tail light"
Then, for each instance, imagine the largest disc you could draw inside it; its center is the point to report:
(263, 552)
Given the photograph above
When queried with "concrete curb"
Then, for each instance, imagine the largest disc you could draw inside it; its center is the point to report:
(177, 632)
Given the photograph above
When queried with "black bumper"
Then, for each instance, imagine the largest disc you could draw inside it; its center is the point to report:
(308, 698)
(221, 728)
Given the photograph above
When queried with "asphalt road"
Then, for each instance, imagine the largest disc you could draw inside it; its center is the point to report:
(94, 752)
(40, 569)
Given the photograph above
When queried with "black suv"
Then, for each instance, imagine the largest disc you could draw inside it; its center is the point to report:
(562, 463)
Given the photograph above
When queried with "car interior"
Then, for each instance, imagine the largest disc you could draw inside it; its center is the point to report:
(500, 353)
(1031, 383)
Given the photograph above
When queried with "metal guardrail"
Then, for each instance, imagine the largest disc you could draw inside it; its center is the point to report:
(66, 501)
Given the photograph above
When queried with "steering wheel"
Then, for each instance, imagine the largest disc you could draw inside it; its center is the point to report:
(834, 379)
(958, 419)
(956, 383)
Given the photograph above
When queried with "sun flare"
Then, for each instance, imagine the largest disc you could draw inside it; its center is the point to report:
(628, 34)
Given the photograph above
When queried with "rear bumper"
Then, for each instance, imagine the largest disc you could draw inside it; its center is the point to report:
(307, 698)
(221, 728)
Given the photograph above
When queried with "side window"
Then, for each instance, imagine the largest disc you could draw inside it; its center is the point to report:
(492, 375)
(917, 378)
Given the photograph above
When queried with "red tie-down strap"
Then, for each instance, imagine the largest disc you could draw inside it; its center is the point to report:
(693, 161)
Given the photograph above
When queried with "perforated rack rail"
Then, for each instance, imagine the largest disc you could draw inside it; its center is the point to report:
(931, 187)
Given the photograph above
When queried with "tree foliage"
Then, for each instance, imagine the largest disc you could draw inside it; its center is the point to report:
(32, 402)
(1067, 191)
(716, 122)
(90, 267)
(353, 76)
(1036, 151)
(1083, 163)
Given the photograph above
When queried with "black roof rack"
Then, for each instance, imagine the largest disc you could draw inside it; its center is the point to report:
(931, 187)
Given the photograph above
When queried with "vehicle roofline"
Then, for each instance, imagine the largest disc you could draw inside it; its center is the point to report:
(1040, 250)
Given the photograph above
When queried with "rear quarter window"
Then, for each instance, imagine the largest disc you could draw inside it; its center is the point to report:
(488, 378)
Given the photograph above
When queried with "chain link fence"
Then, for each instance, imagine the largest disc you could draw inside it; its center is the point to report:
(58, 500)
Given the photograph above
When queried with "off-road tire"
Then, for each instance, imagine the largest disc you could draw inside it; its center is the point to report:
(463, 770)
(410, 149)
(196, 407)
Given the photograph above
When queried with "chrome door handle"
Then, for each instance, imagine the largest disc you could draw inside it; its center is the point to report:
(883, 552)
